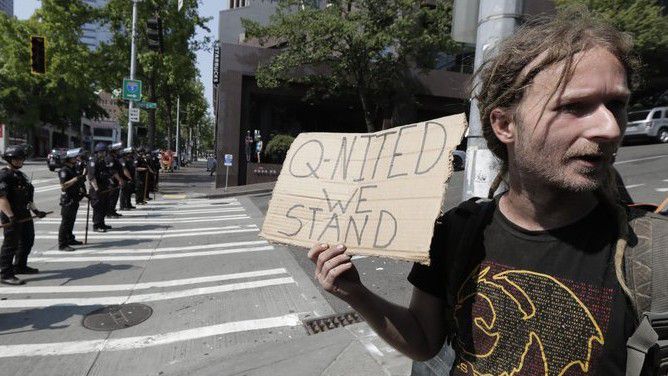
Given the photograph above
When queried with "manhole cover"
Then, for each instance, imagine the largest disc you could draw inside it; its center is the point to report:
(117, 317)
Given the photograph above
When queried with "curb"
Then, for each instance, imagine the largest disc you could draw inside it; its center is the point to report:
(242, 190)
(233, 194)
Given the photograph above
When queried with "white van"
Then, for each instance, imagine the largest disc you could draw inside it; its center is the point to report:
(652, 123)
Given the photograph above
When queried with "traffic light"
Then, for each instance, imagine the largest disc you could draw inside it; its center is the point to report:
(154, 33)
(38, 54)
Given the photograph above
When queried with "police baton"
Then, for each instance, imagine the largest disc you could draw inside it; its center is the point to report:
(87, 218)
(23, 220)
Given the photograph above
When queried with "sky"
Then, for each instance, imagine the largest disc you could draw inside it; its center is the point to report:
(23, 9)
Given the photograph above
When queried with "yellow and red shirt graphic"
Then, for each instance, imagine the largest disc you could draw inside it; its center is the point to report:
(520, 322)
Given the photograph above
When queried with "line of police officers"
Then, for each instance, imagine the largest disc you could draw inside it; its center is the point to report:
(113, 173)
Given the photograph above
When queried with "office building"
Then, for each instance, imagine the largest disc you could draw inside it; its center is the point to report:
(7, 7)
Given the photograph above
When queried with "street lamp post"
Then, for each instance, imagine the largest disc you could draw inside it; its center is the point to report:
(133, 58)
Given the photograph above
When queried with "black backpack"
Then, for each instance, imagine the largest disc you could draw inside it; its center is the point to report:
(645, 268)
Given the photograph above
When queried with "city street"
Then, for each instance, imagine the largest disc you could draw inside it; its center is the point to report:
(217, 291)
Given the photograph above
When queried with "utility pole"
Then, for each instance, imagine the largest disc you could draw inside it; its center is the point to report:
(497, 19)
(133, 58)
(178, 130)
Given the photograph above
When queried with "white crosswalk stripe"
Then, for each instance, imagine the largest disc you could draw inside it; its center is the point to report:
(210, 252)
(151, 257)
(132, 343)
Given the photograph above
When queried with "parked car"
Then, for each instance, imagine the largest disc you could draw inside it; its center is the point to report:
(54, 158)
(648, 124)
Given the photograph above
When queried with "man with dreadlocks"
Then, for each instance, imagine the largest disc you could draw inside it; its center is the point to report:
(537, 288)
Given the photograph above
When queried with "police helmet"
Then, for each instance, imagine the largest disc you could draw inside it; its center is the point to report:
(127, 151)
(73, 153)
(14, 152)
(100, 146)
(116, 146)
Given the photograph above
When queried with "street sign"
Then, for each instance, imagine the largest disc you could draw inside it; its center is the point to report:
(134, 115)
(132, 90)
(147, 105)
(228, 160)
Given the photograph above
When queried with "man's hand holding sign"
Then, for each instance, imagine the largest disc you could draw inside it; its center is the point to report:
(379, 193)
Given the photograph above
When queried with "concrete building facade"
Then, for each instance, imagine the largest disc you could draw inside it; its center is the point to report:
(94, 33)
(7, 7)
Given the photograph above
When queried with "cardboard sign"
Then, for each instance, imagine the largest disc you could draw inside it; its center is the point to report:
(377, 193)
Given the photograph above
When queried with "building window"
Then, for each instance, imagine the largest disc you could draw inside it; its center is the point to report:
(103, 132)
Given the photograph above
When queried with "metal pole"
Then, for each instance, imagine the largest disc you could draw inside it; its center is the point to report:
(227, 172)
(178, 131)
(133, 58)
(497, 19)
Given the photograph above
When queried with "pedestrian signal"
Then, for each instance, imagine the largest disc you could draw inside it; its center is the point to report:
(38, 54)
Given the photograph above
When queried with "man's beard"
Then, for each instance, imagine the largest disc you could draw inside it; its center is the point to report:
(563, 173)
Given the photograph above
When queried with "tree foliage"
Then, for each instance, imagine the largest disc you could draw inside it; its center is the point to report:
(277, 148)
(366, 48)
(68, 88)
(646, 21)
(167, 75)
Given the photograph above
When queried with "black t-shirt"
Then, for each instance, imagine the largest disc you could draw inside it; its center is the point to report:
(540, 302)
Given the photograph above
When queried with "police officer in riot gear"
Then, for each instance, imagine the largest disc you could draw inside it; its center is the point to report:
(16, 202)
(71, 182)
(141, 178)
(127, 162)
(154, 163)
(116, 179)
(98, 176)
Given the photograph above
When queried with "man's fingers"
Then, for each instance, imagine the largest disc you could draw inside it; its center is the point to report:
(327, 255)
(334, 273)
(315, 250)
(334, 262)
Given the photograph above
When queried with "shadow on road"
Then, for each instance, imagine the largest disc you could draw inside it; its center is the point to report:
(74, 274)
(34, 319)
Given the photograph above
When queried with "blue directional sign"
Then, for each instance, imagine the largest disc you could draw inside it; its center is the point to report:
(132, 90)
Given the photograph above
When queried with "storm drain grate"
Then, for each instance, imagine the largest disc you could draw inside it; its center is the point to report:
(324, 324)
(117, 317)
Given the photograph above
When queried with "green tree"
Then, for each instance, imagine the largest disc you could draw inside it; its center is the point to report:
(165, 75)
(68, 88)
(646, 21)
(366, 48)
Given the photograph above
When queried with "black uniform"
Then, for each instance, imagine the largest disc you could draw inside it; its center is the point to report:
(20, 237)
(129, 187)
(99, 200)
(116, 168)
(140, 179)
(69, 203)
(154, 162)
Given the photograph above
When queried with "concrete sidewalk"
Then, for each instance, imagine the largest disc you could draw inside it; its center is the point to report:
(195, 180)
(351, 350)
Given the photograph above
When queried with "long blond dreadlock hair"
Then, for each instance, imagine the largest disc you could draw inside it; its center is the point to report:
(541, 43)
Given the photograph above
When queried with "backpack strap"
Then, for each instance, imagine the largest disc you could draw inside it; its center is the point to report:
(646, 274)
(646, 261)
(464, 240)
